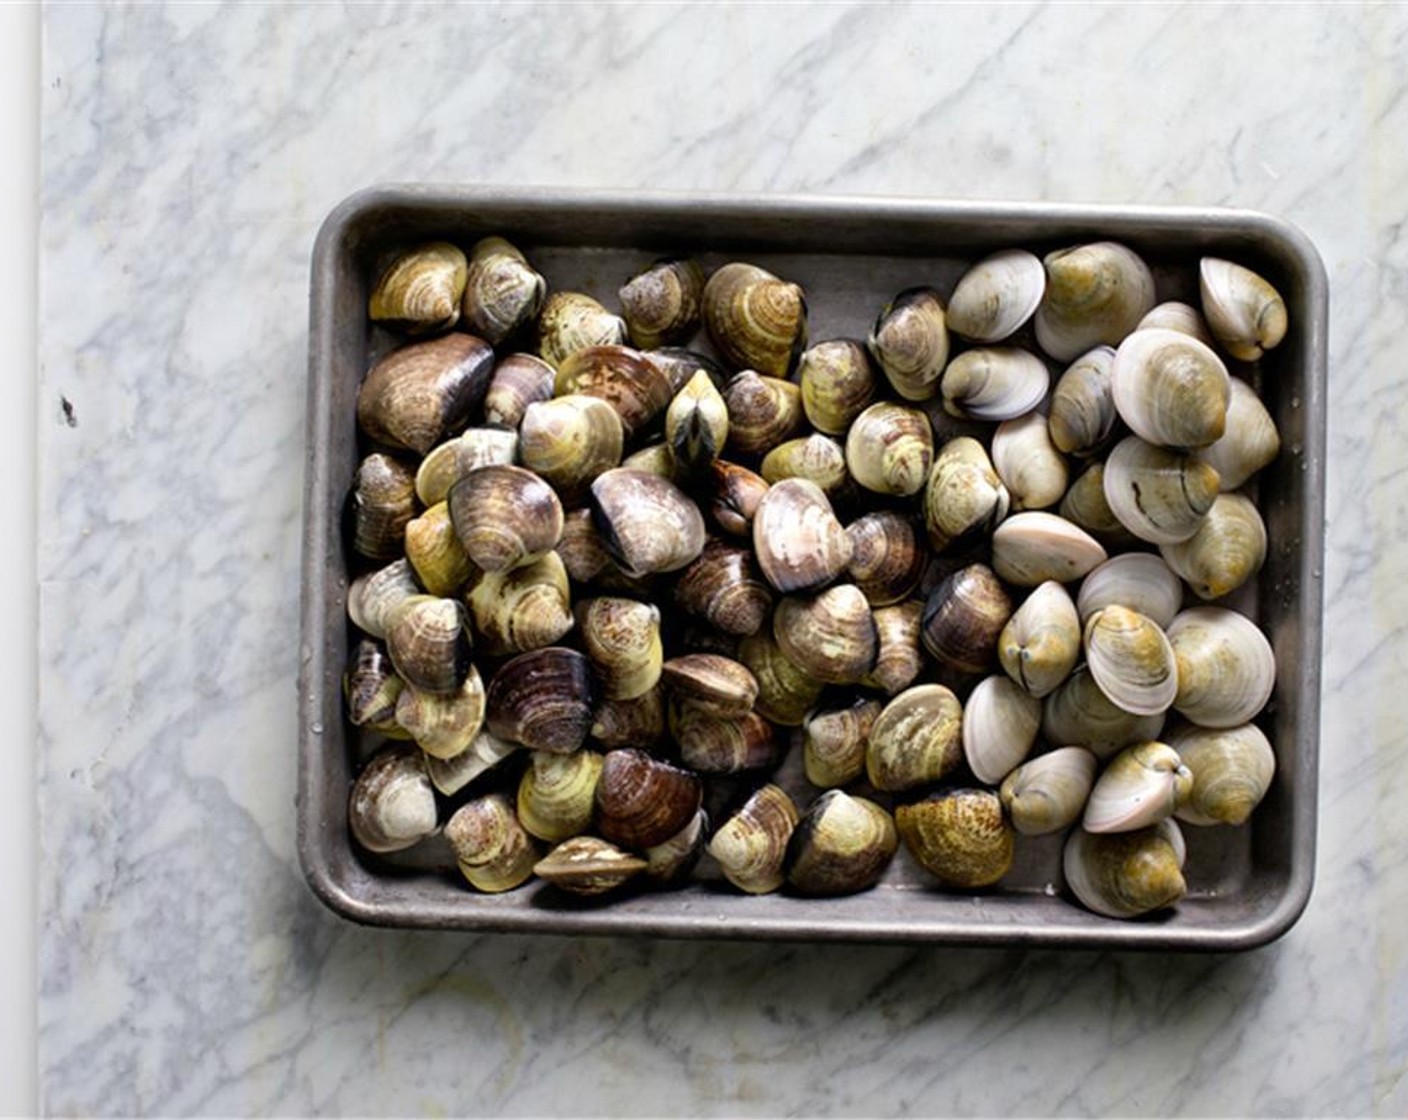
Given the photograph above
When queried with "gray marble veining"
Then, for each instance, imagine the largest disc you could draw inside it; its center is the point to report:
(189, 153)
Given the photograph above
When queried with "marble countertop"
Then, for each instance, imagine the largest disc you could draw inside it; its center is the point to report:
(189, 153)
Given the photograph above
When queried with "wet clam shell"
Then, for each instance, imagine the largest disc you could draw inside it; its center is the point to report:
(1159, 495)
(1140, 786)
(751, 845)
(1077, 713)
(890, 448)
(646, 522)
(1126, 874)
(642, 801)
(1170, 389)
(505, 516)
(798, 541)
(1232, 770)
(502, 291)
(754, 319)
(542, 699)
(1033, 547)
(961, 837)
(1226, 667)
(493, 850)
(830, 636)
(1137, 580)
(1228, 548)
(910, 343)
(1095, 294)
(1131, 660)
(588, 866)
(1083, 417)
(662, 304)
(392, 804)
(1245, 313)
(383, 503)
(841, 845)
(994, 383)
(724, 587)
(573, 321)
(1041, 642)
(838, 383)
(417, 395)
(916, 739)
(1048, 793)
(997, 296)
(964, 497)
(834, 743)
(420, 290)
(1000, 723)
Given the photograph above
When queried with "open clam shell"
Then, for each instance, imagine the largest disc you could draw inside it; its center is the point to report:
(1226, 667)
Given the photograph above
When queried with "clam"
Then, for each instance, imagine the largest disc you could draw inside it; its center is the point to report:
(1000, 722)
(754, 319)
(1245, 313)
(1095, 294)
(646, 522)
(419, 292)
(680, 365)
(428, 640)
(736, 492)
(450, 775)
(371, 686)
(724, 587)
(1176, 316)
(1249, 442)
(519, 380)
(715, 685)
(642, 801)
(661, 305)
(1170, 389)
(762, 412)
(1226, 668)
(435, 552)
(785, 692)
(834, 743)
(573, 321)
(418, 394)
(1126, 874)
(505, 516)
(1232, 769)
(568, 441)
(1078, 714)
(751, 846)
(696, 425)
(383, 502)
(1048, 793)
(1083, 416)
(841, 845)
(963, 617)
(910, 343)
(450, 461)
(916, 739)
(372, 597)
(712, 745)
(671, 861)
(443, 724)
(964, 496)
(1033, 547)
(580, 547)
(492, 849)
(799, 543)
(1131, 660)
(890, 448)
(639, 722)
(1041, 642)
(588, 865)
(1228, 548)
(1085, 505)
(1137, 580)
(502, 292)
(392, 805)
(887, 557)
(1028, 463)
(995, 298)
(817, 458)
(960, 837)
(838, 382)
(522, 609)
(626, 379)
(994, 383)
(542, 699)
(622, 641)
(656, 459)
(830, 636)
(897, 654)
(1159, 495)
(557, 794)
(1140, 786)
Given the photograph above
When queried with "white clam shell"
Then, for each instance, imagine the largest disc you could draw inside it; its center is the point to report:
(1226, 551)
(1176, 316)
(1159, 495)
(964, 494)
(1171, 389)
(1040, 644)
(1028, 463)
(1082, 416)
(1226, 667)
(1095, 294)
(1232, 769)
(1047, 793)
(1140, 786)
(1249, 442)
(1000, 723)
(997, 296)
(994, 383)
(1128, 874)
(1131, 660)
(1140, 581)
(1033, 547)
(1246, 314)
(373, 597)
(1078, 714)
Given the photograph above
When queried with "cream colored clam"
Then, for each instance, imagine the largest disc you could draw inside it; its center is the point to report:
(994, 383)
(1226, 551)
(1000, 723)
(1048, 793)
(1174, 315)
(1170, 389)
(964, 494)
(1082, 415)
(1249, 442)
(1159, 495)
(1246, 314)
(1078, 714)
(1226, 667)
(1028, 462)
(1095, 294)
(1232, 769)
(1129, 873)
(1031, 548)
(1137, 580)
(1142, 785)
(1041, 642)
(1131, 660)
(997, 296)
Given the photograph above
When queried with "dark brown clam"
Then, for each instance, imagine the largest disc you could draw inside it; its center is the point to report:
(428, 640)
(751, 846)
(736, 494)
(624, 378)
(829, 636)
(799, 543)
(580, 547)
(841, 845)
(838, 382)
(519, 380)
(680, 365)
(502, 291)
(960, 837)
(370, 686)
(646, 522)
(419, 394)
(755, 320)
(622, 641)
(383, 501)
(762, 412)
(572, 321)
(887, 556)
(963, 618)
(588, 865)
(711, 745)
(642, 801)
(785, 692)
(718, 686)
(505, 516)
(834, 742)
(724, 587)
(661, 305)
(542, 699)
(638, 722)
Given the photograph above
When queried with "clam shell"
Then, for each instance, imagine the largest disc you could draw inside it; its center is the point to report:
(428, 640)
(838, 382)
(1083, 417)
(963, 617)
(996, 297)
(834, 743)
(1028, 463)
(1123, 875)
(568, 441)
(392, 804)
(709, 744)
(519, 380)
(505, 516)
(1249, 442)
(798, 541)
(1140, 786)
(887, 557)
(383, 503)
(718, 686)
(661, 305)
(830, 636)
(1085, 505)
(754, 319)
(588, 865)
(502, 292)
(841, 845)
(671, 862)
(638, 722)
(1033, 547)
(1176, 316)
(898, 659)
(443, 725)
(557, 794)
(1131, 660)
(1000, 723)
(1159, 495)
(418, 394)
(493, 850)
(373, 597)
(450, 461)
(1095, 294)
(523, 609)
(736, 493)
(696, 426)
(1245, 313)
(817, 458)
(435, 552)
(542, 699)
(624, 378)
(751, 846)
(573, 321)
(642, 801)
(646, 522)
(420, 290)
(994, 383)
(964, 496)
(960, 837)
(580, 547)
(724, 587)
(762, 412)
(1232, 769)
(1078, 714)
(1226, 667)
(916, 739)
(1228, 548)
(621, 638)
(1137, 580)
(785, 692)
(1049, 792)
(910, 343)
(681, 364)
(370, 686)
(890, 448)
(450, 775)
(1041, 642)
(1170, 389)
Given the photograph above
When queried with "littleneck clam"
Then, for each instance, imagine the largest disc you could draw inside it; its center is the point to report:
(1249, 442)
(1170, 389)
(588, 866)
(1083, 416)
(1137, 580)
(898, 656)
(373, 596)
(435, 552)
(1000, 723)
(1131, 660)
(1028, 462)
(735, 494)
(841, 845)
(751, 846)
(570, 440)
(1095, 294)
(371, 687)
(557, 794)
(420, 290)
(1226, 667)
(964, 496)
(834, 743)
(1158, 494)
(996, 297)
(493, 850)
(522, 609)
(1140, 786)
(1246, 314)
(916, 739)
(450, 775)
(1048, 793)
(724, 587)
(624, 378)
(830, 636)
(1041, 642)
(890, 448)
(762, 412)
(963, 617)
(419, 394)
(710, 744)
(785, 692)
(661, 305)
(994, 383)
(383, 502)
(1125, 874)
(639, 722)
(887, 557)
(696, 426)
(817, 458)
(799, 543)
(838, 383)
(1033, 547)
(392, 805)
(961, 837)
(1176, 316)
(450, 461)
(543, 700)
(443, 724)
(642, 801)
(1079, 714)
(647, 523)
(572, 321)
(1228, 548)
(502, 291)
(716, 685)
(505, 516)
(910, 343)
(1085, 505)
(1232, 769)
(754, 319)
(670, 862)
(519, 380)
(622, 641)
(429, 643)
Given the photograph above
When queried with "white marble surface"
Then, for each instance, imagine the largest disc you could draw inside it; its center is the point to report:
(189, 153)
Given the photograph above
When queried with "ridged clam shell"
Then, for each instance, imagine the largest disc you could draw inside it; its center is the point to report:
(1170, 389)
(709, 744)
(373, 597)
(1140, 581)
(1082, 418)
(670, 862)
(798, 541)
(898, 659)
(964, 495)
(429, 643)
(1028, 463)
(557, 794)
(502, 291)
(1000, 723)
(736, 492)
(420, 290)
(621, 638)
(1226, 667)
(450, 461)
(1095, 294)
(994, 383)
(1131, 660)
(916, 739)
(830, 636)
(1041, 642)
(754, 319)
(1033, 547)
(785, 692)
(383, 503)
(910, 343)
(1232, 769)
(588, 865)
(963, 617)
(1078, 714)
(519, 380)
(1085, 505)
(522, 609)
(816, 457)
(638, 722)
(450, 775)
(1159, 495)
(1048, 793)
(716, 685)
(762, 412)
(419, 394)
(1249, 442)
(505, 516)
(1226, 551)
(573, 321)
(887, 557)
(542, 699)
(724, 587)
(647, 523)
(661, 305)
(681, 364)
(568, 441)
(841, 845)
(696, 426)
(371, 686)
(642, 801)
(1245, 313)
(1140, 786)
(1123, 875)
(1175, 316)
(838, 383)
(960, 837)
(890, 448)
(997, 296)
(435, 552)
(392, 804)
(624, 378)
(834, 743)
(751, 846)
(443, 725)
(493, 850)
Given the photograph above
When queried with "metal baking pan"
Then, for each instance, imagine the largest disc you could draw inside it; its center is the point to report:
(1247, 885)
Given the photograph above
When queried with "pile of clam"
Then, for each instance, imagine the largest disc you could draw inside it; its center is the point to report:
(791, 605)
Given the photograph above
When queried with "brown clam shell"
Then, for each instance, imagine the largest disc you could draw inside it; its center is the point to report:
(519, 380)
(960, 837)
(829, 636)
(624, 378)
(712, 745)
(762, 412)
(724, 587)
(502, 291)
(754, 319)
(428, 640)
(505, 516)
(647, 523)
(963, 619)
(542, 699)
(785, 692)
(588, 865)
(887, 556)
(383, 502)
(418, 394)
(572, 321)
(622, 641)
(898, 658)
(838, 382)
(642, 801)
(751, 846)
(662, 304)
(419, 292)
(916, 739)
(799, 543)
(834, 742)
(841, 845)
(736, 494)
(638, 722)
(717, 686)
